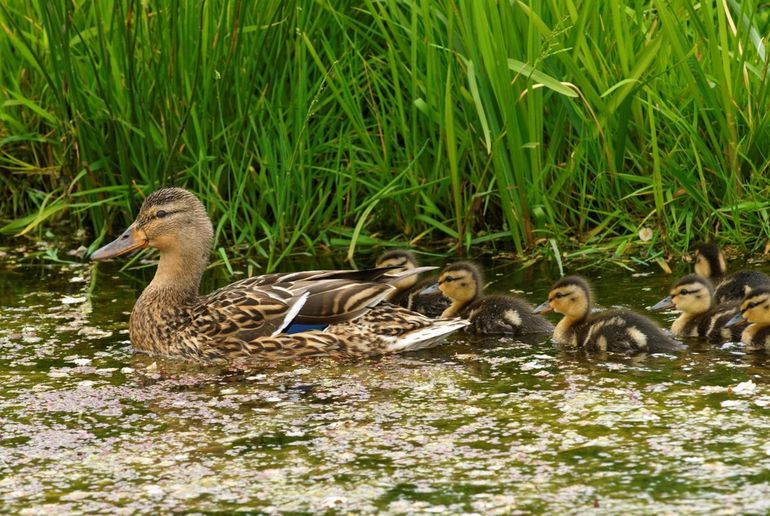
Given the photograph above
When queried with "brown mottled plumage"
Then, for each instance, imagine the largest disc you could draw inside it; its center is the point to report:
(247, 318)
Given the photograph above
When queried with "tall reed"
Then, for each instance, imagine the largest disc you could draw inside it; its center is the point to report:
(325, 123)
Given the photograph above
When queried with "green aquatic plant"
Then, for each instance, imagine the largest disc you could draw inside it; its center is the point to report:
(312, 124)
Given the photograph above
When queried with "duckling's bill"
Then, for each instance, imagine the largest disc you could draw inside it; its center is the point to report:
(663, 304)
(737, 319)
(132, 239)
(543, 308)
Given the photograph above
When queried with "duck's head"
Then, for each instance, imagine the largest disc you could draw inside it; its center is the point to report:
(402, 259)
(570, 296)
(461, 282)
(709, 261)
(172, 220)
(755, 307)
(692, 294)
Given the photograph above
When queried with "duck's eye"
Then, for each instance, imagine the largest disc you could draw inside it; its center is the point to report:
(560, 295)
(161, 213)
(684, 292)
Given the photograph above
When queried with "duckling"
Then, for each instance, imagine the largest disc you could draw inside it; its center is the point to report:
(498, 314)
(409, 293)
(710, 263)
(755, 309)
(701, 316)
(611, 330)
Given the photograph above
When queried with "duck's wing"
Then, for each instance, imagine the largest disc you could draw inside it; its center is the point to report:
(332, 296)
(386, 275)
(245, 313)
(260, 306)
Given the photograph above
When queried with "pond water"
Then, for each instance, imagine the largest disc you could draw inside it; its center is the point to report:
(488, 425)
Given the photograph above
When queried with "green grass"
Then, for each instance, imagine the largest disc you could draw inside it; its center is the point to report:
(531, 126)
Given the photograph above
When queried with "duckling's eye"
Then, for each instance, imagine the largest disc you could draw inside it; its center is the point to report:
(684, 292)
(560, 295)
(161, 213)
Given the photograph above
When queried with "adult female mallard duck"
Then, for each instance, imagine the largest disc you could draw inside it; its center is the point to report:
(611, 330)
(496, 314)
(710, 263)
(755, 309)
(701, 316)
(409, 293)
(248, 318)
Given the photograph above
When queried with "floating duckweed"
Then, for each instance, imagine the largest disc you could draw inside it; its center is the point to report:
(493, 426)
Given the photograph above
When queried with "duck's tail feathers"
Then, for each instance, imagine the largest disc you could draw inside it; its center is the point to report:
(426, 337)
(397, 275)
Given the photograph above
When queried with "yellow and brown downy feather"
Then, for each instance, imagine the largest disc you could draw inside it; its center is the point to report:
(700, 316)
(612, 330)
(462, 283)
(710, 263)
(418, 296)
(755, 310)
(249, 318)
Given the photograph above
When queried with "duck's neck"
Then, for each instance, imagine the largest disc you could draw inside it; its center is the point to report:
(564, 331)
(457, 307)
(750, 333)
(678, 326)
(179, 274)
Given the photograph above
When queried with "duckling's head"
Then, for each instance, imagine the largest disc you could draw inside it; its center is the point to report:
(402, 259)
(709, 261)
(171, 220)
(570, 296)
(692, 294)
(755, 307)
(461, 282)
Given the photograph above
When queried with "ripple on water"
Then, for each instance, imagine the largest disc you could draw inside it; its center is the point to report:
(477, 425)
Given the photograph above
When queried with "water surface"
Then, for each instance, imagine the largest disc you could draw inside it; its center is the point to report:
(489, 425)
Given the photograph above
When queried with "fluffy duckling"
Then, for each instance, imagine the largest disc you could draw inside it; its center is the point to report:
(710, 263)
(611, 330)
(409, 293)
(700, 316)
(755, 309)
(462, 283)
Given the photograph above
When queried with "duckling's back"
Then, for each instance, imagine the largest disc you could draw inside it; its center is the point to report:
(735, 286)
(623, 331)
(713, 324)
(507, 315)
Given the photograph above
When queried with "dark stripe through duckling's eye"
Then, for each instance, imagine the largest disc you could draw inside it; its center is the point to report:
(161, 213)
(684, 292)
(447, 279)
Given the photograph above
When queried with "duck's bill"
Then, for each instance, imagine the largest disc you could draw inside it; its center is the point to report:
(132, 239)
(543, 308)
(737, 319)
(663, 304)
(430, 290)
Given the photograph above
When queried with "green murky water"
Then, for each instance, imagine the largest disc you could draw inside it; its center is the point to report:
(474, 426)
